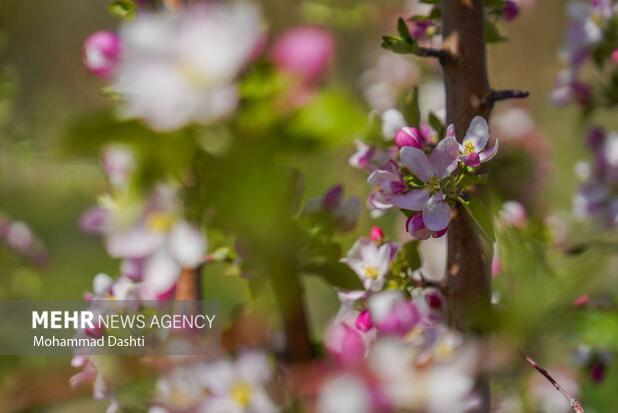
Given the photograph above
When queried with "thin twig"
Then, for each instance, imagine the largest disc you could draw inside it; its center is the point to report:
(575, 405)
(498, 95)
(442, 55)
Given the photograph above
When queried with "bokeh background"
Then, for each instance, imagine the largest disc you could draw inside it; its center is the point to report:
(44, 88)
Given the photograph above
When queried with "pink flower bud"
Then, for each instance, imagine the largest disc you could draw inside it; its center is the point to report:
(434, 299)
(304, 52)
(416, 227)
(345, 343)
(332, 198)
(408, 136)
(96, 331)
(403, 318)
(376, 234)
(364, 322)
(101, 53)
(581, 301)
(597, 372)
(615, 57)
(510, 10)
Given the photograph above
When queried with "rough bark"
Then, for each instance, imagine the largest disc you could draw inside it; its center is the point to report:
(467, 86)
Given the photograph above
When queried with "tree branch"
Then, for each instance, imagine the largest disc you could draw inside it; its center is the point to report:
(497, 95)
(442, 55)
(575, 405)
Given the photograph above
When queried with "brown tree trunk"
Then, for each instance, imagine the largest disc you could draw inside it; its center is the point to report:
(189, 286)
(467, 85)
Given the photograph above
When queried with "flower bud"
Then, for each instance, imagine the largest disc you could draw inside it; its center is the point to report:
(101, 53)
(364, 322)
(510, 10)
(304, 52)
(408, 136)
(376, 234)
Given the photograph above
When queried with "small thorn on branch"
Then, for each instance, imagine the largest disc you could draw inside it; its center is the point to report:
(498, 95)
(575, 405)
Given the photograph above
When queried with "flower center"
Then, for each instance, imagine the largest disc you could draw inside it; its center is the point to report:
(469, 148)
(241, 394)
(194, 76)
(371, 272)
(160, 222)
(434, 184)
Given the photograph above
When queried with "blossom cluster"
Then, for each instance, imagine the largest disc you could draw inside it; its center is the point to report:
(391, 337)
(423, 178)
(155, 243)
(597, 197)
(584, 42)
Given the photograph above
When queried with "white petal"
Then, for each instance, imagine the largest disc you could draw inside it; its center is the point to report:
(478, 133)
(187, 245)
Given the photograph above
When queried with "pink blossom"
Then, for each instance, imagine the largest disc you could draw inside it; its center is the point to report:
(364, 322)
(345, 343)
(376, 234)
(408, 136)
(392, 313)
(304, 52)
(102, 51)
(431, 170)
(472, 148)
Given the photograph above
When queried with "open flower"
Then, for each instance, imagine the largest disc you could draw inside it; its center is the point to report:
(431, 170)
(238, 386)
(371, 261)
(472, 149)
(178, 68)
(387, 183)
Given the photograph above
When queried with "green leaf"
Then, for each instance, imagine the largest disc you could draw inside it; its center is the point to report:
(492, 34)
(125, 9)
(403, 30)
(399, 45)
(336, 274)
(481, 217)
(411, 109)
(411, 254)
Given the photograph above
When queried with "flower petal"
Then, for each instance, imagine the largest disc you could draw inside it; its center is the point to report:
(416, 161)
(488, 154)
(478, 133)
(444, 157)
(414, 200)
(437, 213)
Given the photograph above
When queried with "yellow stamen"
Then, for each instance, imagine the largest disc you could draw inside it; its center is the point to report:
(241, 394)
(468, 148)
(159, 221)
(371, 272)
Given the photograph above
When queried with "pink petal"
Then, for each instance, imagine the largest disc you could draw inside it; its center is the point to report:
(436, 213)
(416, 161)
(488, 154)
(414, 200)
(444, 157)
